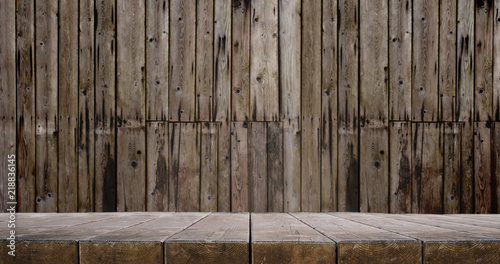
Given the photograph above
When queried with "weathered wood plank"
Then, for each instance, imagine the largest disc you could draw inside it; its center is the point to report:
(184, 167)
(348, 160)
(222, 99)
(7, 98)
(496, 62)
(425, 60)
(400, 34)
(275, 167)
(46, 57)
(482, 167)
(86, 107)
(359, 243)
(157, 50)
(130, 107)
(311, 108)
(290, 83)
(452, 156)
(25, 110)
(204, 59)
(264, 78)
(157, 166)
(67, 143)
(400, 167)
(218, 238)
(465, 99)
(257, 167)
(105, 115)
(281, 238)
(239, 167)
(483, 96)
(447, 59)
(495, 188)
(181, 96)
(240, 55)
(208, 182)
(427, 168)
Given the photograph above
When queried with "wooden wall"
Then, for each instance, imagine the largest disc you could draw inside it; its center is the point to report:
(261, 105)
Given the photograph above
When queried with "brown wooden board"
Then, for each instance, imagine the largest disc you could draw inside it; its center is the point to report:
(208, 181)
(482, 167)
(447, 60)
(157, 166)
(239, 167)
(240, 56)
(204, 59)
(451, 155)
(217, 238)
(184, 167)
(495, 187)
(483, 90)
(400, 167)
(427, 168)
(274, 156)
(257, 167)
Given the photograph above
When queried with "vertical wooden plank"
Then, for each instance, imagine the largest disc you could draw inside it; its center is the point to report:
(483, 96)
(465, 99)
(181, 101)
(105, 119)
(329, 98)
(86, 97)
(495, 188)
(46, 31)
(348, 164)
(427, 168)
(208, 185)
(400, 167)
(157, 166)
(157, 33)
(400, 34)
(130, 106)
(241, 60)
(239, 167)
(452, 156)
(290, 83)
(373, 108)
(311, 108)
(496, 62)
(482, 167)
(25, 110)
(68, 108)
(7, 95)
(264, 90)
(424, 103)
(257, 167)
(275, 167)
(184, 167)
(447, 59)
(204, 59)
(222, 100)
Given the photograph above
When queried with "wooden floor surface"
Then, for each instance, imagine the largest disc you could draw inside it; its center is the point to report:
(251, 238)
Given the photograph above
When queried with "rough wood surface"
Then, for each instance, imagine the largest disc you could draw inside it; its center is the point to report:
(257, 167)
(275, 182)
(447, 59)
(483, 90)
(451, 155)
(240, 68)
(482, 167)
(157, 166)
(400, 167)
(204, 59)
(239, 167)
(495, 188)
(208, 181)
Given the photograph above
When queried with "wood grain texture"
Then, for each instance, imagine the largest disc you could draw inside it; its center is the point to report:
(257, 167)
(25, 101)
(8, 96)
(496, 62)
(105, 107)
(130, 107)
(400, 45)
(46, 57)
(329, 96)
(348, 157)
(86, 107)
(181, 76)
(427, 168)
(452, 156)
(157, 166)
(311, 109)
(224, 168)
(425, 60)
(447, 59)
(239, 167)
(275, 183)
(204, 59)
(240, 56)
(290, 83)
(483, 90)
(157, 50)
(400, 167)
(184, 167)
(208, 181)
(264, 78)
(495, 188)
(68, 96)
(482, 167)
